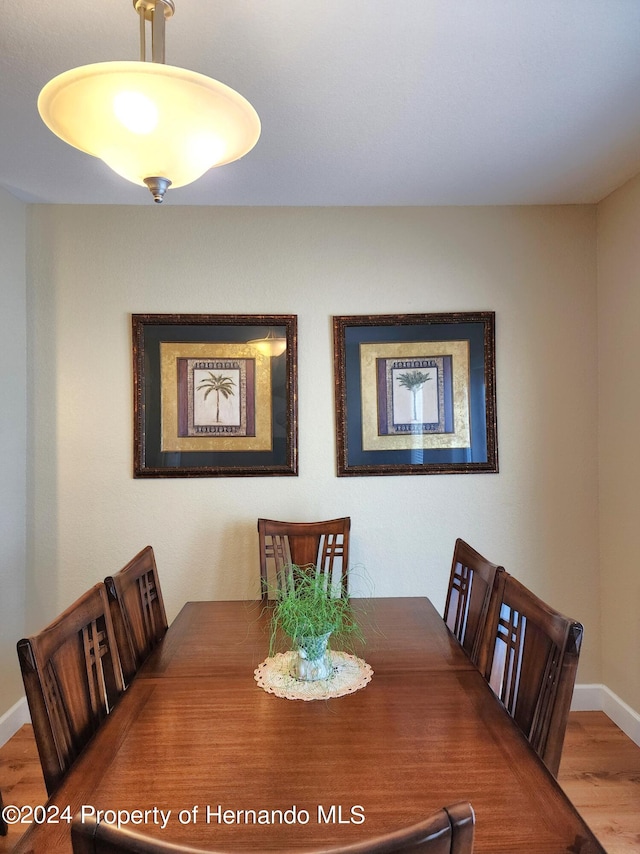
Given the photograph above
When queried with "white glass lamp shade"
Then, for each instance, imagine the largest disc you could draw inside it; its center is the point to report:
(147, 119)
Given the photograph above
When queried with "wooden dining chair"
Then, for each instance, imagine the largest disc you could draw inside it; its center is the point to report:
(531, 666)
(3, 823)
(471, 599)
(323, 544)
(91, 837)
(72, 679)
(137, 610)
(449, 831)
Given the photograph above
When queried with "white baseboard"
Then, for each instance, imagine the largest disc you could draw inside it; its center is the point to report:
(587, 698)
(599, 698)
(13, 719)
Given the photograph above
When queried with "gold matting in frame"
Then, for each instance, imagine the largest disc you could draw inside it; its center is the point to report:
(460, 437)
(170, 353)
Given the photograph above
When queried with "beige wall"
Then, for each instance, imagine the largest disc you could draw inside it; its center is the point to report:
(13, 437)
(619, 427)
(91, 267)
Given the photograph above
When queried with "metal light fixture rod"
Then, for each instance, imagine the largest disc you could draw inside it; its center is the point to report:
(148, 11)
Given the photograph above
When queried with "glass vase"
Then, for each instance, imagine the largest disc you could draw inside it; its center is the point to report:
(313, 660)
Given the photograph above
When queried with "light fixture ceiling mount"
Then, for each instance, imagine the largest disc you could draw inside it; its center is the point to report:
(154, 124)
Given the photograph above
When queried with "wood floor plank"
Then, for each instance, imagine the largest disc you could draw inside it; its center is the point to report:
(21, 780)
(600, 772)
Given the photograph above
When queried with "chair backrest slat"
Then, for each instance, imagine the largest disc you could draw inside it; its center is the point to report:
(72, 677)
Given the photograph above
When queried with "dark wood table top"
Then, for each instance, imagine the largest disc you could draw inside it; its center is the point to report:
(232, 638)
(195, 733)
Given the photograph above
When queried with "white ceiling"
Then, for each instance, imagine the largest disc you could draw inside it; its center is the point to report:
(362, 102)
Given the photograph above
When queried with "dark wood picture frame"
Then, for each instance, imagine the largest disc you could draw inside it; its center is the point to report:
(211, 398)
(415, 394)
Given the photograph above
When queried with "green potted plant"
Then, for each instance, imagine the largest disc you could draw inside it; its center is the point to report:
(307, 611)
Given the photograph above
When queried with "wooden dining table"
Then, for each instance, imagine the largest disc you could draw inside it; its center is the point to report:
(196, 752)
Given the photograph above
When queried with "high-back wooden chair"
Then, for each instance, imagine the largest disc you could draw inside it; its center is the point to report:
(3, 823)
(323, 544)
(137, 610)
(72, 679)
(449, 831)
(91, 837)
(470, 599)
(531, 666)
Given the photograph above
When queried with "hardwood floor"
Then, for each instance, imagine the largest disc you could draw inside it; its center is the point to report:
(600, 771)
(21, 780)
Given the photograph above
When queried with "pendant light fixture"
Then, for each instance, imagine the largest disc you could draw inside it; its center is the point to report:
(154, 124)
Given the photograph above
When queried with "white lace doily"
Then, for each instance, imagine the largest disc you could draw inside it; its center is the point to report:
(349, 675)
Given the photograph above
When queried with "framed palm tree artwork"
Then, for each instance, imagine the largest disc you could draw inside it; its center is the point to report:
(214, 395)
(415, 394)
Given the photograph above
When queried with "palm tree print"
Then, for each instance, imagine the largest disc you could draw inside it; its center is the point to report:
(414, 382)
(221, 385)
